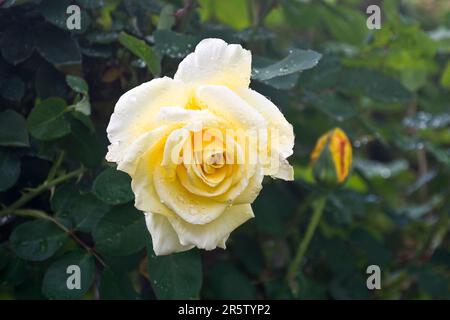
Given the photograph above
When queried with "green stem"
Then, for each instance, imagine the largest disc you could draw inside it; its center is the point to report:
(306, 203)
(25, 198)
(55, 166)
(318, 205)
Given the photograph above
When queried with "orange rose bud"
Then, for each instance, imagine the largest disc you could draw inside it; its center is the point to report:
(332, 158)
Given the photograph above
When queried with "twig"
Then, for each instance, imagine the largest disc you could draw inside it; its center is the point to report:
(25, 198)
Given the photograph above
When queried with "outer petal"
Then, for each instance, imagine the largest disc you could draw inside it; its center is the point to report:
(252, 190)
(216, 62)
(139, 147)
(215, 233)
(146, 198)
(275, 119)
(136, 111)
(227, 105)
(285, 171)
(164, 238)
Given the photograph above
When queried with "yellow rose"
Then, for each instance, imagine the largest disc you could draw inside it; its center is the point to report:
(198, 146)
(332, 158)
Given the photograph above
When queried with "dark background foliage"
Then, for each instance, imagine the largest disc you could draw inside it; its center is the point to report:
(388, 89)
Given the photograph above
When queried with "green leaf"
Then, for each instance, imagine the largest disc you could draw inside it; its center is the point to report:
(15, 272)
(113, 187)
(374, 85)
(13, 130)
(85, 120)
(166, 18)
(297, 60)
(445, 78)
(91, 4)
(173, 44)
(83, 144)
(17, 43)
(46, 121)
(143, 51)
(9, 169)
(334, 105)
(274, 204)
(345, 24)
(176, 276)
(62, 202)
(235, 13)
(57, 47)
(116, 286)
(55, 12)
(248, 250)
(281, 83)
(87, 212)
(324, 76)
(4, 258)
(13, 88)
(373, 169)
(121, 231)
(57, 277)
(310, 289)
(227, 282)
(49, 82)
(83, 106)
(124, 263)
(83, 211)
(37, 240)
(77, 84)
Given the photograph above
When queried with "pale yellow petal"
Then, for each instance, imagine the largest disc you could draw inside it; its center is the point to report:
(252, 189)
(209, 236)
(135, 113)
(216, 62)
(140, 146)
(275, 119)
(190, 207)
(164, 238)
(227, 105)
(145, 197)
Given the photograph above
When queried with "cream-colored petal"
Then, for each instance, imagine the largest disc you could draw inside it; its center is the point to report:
(275, 119)
(190, 207)
(227, 105)
(164, 238)
(135, 112)
(178, 114)
(139, 147)
(223, 243)
(216, 62)
(145, 197)
(209, 236)
(284, 171)
(173, 148)
(253, 188)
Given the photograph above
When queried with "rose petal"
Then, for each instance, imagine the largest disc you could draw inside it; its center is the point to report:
(191, 208)
(209, 236)
(135, 113)
(227, 105)
(216, 62)
(275, 119)
(139, 147)
(164, 238)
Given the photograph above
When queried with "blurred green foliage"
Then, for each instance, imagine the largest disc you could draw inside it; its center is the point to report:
(388, 89)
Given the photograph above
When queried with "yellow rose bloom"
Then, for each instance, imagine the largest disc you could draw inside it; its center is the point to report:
(198, 146)
(334, 169)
